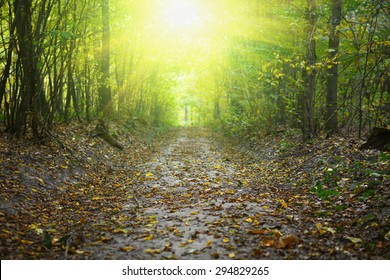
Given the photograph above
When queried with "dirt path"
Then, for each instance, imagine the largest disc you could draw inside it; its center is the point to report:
(187, 196)
(193, 205)
(199, 200)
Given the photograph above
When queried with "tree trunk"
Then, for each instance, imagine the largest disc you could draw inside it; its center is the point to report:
(105, 104)
(309, 73)
(7, 66)
(217, 109)
(331, 124)
(27, 55)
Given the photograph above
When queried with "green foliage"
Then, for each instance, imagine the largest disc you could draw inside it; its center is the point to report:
(324, 192)
(327, 188)
(245, 74)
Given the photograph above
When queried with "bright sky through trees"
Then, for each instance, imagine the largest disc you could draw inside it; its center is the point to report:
(181, 14)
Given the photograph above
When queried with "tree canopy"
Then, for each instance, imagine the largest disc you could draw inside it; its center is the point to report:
(244, 66)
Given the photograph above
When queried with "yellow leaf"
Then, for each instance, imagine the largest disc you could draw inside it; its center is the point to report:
(127, 248)
(232, 255)
(209, 243)
(226, 240)
(153, 251)
(194, 212)
(40, 180)
(230, 192)
(283, 204)
(105, 239)
(95, 198)
(149, 237)
(36, 229)
(248, 220)
(276, 232)
(320, 229)
(27, 242)
(121, 230)
(331, 230)
(354, 239)
(6, 231)
(149, 174)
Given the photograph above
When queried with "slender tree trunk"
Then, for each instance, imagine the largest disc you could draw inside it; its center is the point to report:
(27, 54)
(217, 109)
(331, 124)
(7, 66)
(309, 73)
(105, 102)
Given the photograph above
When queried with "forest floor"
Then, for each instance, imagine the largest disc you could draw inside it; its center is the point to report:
(188, 194)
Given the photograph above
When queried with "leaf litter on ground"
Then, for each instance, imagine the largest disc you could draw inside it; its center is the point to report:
(189, 194)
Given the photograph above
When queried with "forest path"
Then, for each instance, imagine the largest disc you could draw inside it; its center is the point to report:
(195, 202)
(186, 194)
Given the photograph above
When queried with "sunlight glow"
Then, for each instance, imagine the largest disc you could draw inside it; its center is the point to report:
(181, 14)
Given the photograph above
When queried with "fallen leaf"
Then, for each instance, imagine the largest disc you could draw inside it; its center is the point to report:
(267, 242)
(127, 248)
(283, 204)
(287, 241)
(28, 242)
(153, 251)
(40, 181)
(259, 231)
(121, 230)
(149, 237)
(192, 251)
(105, 239)
(354, 239)
(276, 233)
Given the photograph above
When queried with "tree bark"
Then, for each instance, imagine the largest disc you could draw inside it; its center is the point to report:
(331, 124)
(105, 102)
(28, 57)
(309, 73)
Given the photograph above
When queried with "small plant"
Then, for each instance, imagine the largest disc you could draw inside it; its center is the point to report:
(384, 156)
(284, 145)
(327, 188)
(324, 192)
